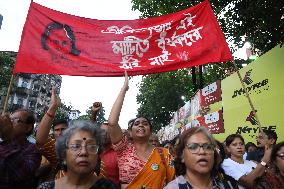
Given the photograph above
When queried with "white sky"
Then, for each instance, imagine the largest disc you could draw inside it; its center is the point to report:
(81, 92)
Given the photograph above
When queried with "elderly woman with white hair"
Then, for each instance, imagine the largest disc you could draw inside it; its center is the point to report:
(78, 149)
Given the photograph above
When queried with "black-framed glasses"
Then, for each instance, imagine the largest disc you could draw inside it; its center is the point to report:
(77, 147)
(195, 147)
(16, 120)
(280, 155)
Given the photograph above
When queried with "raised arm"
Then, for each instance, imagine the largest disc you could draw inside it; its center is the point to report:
(46, 122)
(95, 109)
(114, 129)
(249, 179)
(6, 127)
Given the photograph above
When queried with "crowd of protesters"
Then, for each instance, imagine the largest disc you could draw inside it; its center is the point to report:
(82, 154)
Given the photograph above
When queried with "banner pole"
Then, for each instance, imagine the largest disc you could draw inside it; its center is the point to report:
(248, 97)
(8, 94)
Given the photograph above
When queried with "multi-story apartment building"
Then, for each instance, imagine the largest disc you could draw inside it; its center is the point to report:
(31, 91)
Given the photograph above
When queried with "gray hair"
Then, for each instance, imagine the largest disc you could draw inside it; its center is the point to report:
(75, 126)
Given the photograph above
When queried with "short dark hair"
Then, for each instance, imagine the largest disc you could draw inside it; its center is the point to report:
(164, 143)
(132, 121)
(179, 165)
(59, 121)
(30, 119)
(232, 137)
(129, 124)
(249, 144)
(222, 152)
(271, 134)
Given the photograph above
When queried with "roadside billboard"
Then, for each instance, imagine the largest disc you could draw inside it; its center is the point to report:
(264, 80)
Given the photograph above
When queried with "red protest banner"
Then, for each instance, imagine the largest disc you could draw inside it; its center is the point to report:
(57, 43)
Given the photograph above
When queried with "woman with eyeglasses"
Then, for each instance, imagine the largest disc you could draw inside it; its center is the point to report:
(244, 171)
(196, 161)
(78, 149)
(274, 178)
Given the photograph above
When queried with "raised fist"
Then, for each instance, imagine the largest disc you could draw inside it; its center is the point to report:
(6, 127)
(96, 106)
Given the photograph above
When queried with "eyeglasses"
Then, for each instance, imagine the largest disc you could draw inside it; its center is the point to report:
(280, 155)
(16, 120)
(195, 147)
(90, 148)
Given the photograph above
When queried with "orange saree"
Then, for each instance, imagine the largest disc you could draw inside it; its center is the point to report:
(157, 171)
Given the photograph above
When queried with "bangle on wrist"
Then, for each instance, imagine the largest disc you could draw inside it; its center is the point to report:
(50, 115)
(264, 164)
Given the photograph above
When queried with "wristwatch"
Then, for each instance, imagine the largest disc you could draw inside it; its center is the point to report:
(263, 163)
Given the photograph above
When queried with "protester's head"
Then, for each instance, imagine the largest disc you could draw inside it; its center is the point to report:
(23, 122)
(221, 152)
(78, 147)
(141, 128)
(154, 140)
(250, 147)
(196, 153)
(235, 146)
(277, 157)
(267, 137)
(175, 143)
(167, 144)
(60, 37)
(59, 125)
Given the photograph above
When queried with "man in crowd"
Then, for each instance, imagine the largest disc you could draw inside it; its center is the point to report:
(59, 125)
(268, 139)
(19, 159)
(154, 140)
(49, 165)
(44, 142)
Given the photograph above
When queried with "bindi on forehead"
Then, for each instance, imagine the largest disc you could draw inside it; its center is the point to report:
(83, 140)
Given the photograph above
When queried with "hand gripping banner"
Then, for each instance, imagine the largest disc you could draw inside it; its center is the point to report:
(57, 43)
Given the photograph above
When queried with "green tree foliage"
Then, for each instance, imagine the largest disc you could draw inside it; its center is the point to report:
(100, 116)
(6, 68)
(261, 21)
(62, 112)
(160, 95)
